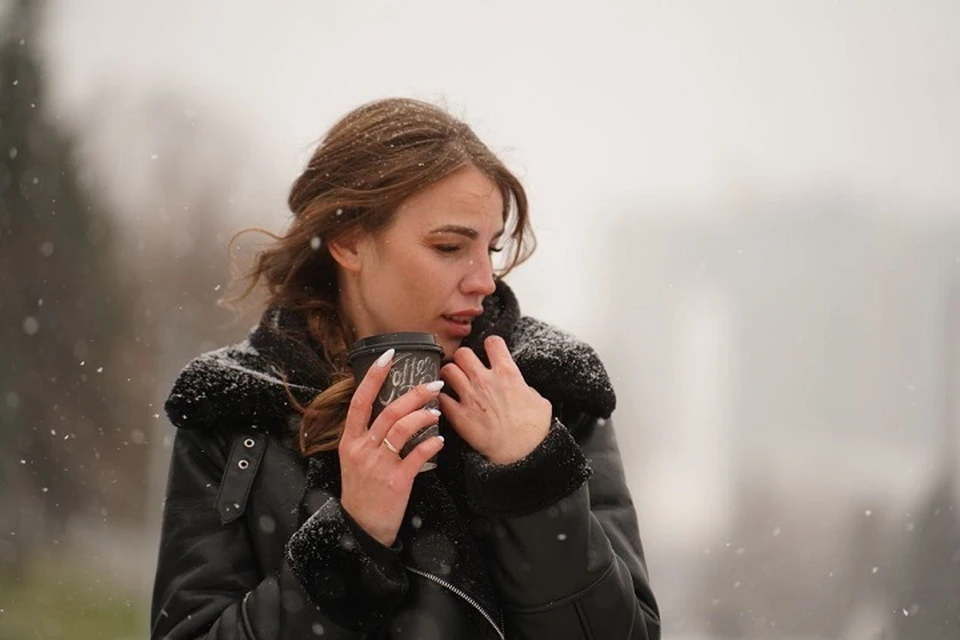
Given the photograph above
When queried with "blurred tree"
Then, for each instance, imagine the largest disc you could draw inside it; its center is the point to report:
(188, 179)
(63, 312)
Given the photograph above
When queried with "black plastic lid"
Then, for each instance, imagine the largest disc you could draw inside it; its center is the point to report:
(399, 340)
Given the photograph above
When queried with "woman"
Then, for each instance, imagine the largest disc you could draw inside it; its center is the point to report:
(286, 517)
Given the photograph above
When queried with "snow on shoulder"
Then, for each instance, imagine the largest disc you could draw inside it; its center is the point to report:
(231, 383)
(562, 367)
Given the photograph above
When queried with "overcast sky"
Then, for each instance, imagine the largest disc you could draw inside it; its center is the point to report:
(596, 105)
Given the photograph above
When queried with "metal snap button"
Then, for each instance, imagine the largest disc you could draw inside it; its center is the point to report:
(243, 464)
(248, 443)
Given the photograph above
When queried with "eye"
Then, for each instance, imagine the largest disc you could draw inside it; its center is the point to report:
(447, 248)
(495, 249)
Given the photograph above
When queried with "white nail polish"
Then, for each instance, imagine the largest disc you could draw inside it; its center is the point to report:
(385, 357)
(435, 412)
(436, 385)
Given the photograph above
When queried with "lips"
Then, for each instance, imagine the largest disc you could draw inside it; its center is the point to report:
(459, 324)
(464, 314)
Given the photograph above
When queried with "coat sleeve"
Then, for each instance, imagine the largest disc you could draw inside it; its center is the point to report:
(564, 543)
(209, 584)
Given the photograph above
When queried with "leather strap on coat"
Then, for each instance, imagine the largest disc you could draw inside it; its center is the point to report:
(242, 465)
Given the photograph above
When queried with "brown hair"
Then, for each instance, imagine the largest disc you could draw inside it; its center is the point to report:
(369, 162)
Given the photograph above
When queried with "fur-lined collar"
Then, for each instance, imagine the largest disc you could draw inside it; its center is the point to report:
(246, 383)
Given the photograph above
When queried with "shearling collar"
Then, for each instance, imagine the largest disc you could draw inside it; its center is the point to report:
(247, 384)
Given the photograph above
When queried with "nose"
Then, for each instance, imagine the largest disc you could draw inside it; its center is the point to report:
(479, 279)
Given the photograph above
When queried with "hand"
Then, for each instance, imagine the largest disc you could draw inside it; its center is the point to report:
(376, 482)
(498, 413)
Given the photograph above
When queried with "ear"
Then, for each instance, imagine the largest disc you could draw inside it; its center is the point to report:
(347, 251)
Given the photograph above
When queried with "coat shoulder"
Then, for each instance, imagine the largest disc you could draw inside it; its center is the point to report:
(562, 367)
(232, 383)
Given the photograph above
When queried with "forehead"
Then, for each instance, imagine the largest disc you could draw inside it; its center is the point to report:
(466, 196)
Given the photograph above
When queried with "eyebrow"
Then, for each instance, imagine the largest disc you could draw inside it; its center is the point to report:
(463, 231)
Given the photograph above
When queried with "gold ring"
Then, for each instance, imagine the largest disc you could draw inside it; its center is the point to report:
(389, 446)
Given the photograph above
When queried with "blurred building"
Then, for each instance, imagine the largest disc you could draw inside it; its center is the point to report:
(784, 407)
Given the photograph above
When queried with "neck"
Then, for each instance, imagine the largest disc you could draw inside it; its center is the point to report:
(349, 310)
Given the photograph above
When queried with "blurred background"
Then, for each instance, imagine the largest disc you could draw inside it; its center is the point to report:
(750, 208)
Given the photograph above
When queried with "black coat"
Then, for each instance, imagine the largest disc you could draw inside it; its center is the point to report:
(255, 543)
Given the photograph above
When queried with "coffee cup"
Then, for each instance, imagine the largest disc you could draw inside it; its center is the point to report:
(416, 361)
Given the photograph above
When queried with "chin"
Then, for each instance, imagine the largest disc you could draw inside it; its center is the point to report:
(449, 345)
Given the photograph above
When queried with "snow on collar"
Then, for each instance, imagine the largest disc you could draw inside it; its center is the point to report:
(244, 385)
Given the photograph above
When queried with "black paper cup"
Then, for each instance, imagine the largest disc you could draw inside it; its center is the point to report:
(416, 362)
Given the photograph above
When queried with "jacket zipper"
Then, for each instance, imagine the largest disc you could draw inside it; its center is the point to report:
(245, 618)
(446, 585)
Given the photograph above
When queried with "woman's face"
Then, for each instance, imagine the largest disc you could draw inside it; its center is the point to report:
(431, 268)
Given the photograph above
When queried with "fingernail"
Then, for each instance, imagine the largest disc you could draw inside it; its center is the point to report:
(440, 438)
(385, 357)
(435, 412)
(436, 385)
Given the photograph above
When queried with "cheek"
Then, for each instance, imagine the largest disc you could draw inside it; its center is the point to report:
(406, 294)
(416, 284)
(427, 295)
(431, 278)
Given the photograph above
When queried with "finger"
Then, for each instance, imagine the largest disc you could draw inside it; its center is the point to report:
(466, 359)
(456, 378)
(407, 403)
(414, 461)
(361, 404)
(451, 409)
(456, 414)
(499, 354)
(404, 428)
